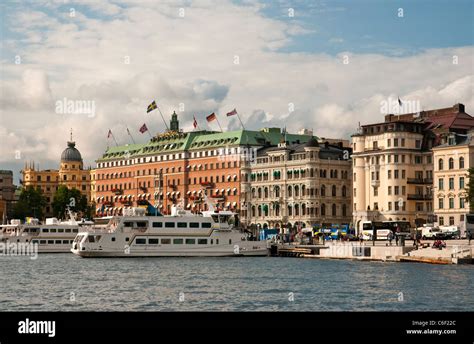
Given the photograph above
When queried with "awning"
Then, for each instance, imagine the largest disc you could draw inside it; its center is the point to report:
(227, 204)
(235, 176)
(222, 190)
(188, 206)
(188, 193)
(194, 192)
(172, 194)
(216, 190)
(194, 205)
(234, 189)
(168, 193)
(234, 204)
(200, 192)
(228, 189)
(177, 193)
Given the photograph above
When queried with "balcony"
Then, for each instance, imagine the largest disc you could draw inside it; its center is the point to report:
(373, 149)
(375, 183)
(419, 197)
(419, 181)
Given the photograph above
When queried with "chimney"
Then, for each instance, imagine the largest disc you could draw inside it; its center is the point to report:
(459, 107)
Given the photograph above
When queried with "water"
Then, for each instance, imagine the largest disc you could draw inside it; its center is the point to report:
(63, 282)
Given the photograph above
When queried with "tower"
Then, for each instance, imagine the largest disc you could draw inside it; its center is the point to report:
(174, 123)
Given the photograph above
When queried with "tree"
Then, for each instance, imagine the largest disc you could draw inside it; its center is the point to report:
(65, 198)
(30, 204)
(470, 189)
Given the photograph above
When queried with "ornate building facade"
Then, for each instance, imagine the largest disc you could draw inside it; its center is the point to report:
(300, 184)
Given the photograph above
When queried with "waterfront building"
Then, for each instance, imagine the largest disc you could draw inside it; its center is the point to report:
(297, 185)
(7, 194)
(452, 160)
(71, 173)
(178, 167)
(393, 164)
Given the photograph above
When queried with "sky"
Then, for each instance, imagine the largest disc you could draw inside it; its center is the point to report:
(320, 65)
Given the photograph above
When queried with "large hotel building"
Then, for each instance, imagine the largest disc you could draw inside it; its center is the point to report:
(393, 166)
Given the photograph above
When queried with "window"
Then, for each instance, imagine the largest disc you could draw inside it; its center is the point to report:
(389, 174)
(170, 224)
(178, 241)
(440, 164)
(451, 203)
(441, 183)
(461, 182)
(461, 162)
(451, 163)
(166, 241)
(441, 221)
(202, 241)
(140, 241)
(462, 203)
(395, 174)
(190, 241)
(389, 191)
(451, 220)
(153, 241)
(206, 225)
(157, 224)
(451, 183)
(182, 224)
(441, 203)
(194, 225)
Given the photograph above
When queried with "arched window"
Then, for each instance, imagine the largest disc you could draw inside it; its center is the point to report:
(344, 210)
(277, 191)
(259, 210)
(297, 191)
(323, 209)
(253, 192)
(333, 191)
(440, 164)
(265, 192)
(290, 210)
(451, 163)
(323, 190)
(290, 193)
(259, 193)
(303, 209)
(461, 162)
(333, 210)
(344, 191)
(297, 210)
(303, 190)
(253, 211)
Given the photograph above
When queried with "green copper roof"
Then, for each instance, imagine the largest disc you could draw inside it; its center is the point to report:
(171, 142)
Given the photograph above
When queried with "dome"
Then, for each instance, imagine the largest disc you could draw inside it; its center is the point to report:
(312, 142)
(71, 153)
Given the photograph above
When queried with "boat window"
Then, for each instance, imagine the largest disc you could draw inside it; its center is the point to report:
(169, 224)
(50, 242)
(217, 241)
(45, 230)
(182, 224)
(153, 241)
(141, 224)
(194, 225)
(127, 239)
(140, 241)
(212, 241)
(158, 224)
(113, 238)
(58, 242)
(34, 241)
(91, 238)
(165, 241)
(68, 230)
(177, 241)
(65, 241)
(128, 224)
(42, 242)
(60, 230)
(190, 241)
(52, 230)
(206, 225)
(230, 241)
(75, 230)
(202, 241)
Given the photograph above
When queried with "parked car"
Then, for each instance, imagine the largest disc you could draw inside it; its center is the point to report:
(429, 232)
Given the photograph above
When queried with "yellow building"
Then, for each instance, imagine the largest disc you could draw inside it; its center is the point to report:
(71, 173)
(393, 164)
(452, 159)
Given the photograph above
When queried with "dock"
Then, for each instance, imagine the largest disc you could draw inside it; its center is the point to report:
(368, 252)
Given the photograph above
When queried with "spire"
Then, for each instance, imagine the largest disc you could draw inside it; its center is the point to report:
(174, 123)
(71, 134)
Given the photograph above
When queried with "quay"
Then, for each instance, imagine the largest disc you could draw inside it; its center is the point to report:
(452, 254)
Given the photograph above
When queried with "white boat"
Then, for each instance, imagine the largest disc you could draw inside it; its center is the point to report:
(182, 234)
(53, 236)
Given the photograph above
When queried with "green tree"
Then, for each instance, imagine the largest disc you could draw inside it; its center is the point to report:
(470, 189)
(65, 198)
(30, 204)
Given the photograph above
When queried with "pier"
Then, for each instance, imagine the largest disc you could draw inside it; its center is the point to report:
(452, 254)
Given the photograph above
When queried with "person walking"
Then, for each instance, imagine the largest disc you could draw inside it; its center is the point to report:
(390, 238)
(469, 237)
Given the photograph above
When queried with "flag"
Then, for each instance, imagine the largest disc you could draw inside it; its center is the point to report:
(128, 131)
(232, 113)
(211, 117)
(151, 107)
(399, 102)
(195, 123)
(109, 134)
(143, 128)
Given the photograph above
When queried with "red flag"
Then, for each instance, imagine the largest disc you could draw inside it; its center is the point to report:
(195, 123)
(143, 128)
(211, 117)
(232, 113)
(109, 134)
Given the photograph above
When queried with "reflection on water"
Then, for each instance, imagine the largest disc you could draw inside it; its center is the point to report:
(65, 282)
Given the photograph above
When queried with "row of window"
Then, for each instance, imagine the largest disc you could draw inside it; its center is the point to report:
(450, 163)
(176, 241)
(462, 203)
(167, 224)
(51, 242)
(295, 210)
(451, 183)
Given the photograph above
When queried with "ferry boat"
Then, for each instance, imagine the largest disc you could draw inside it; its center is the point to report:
(181, 234)
(53, 236)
